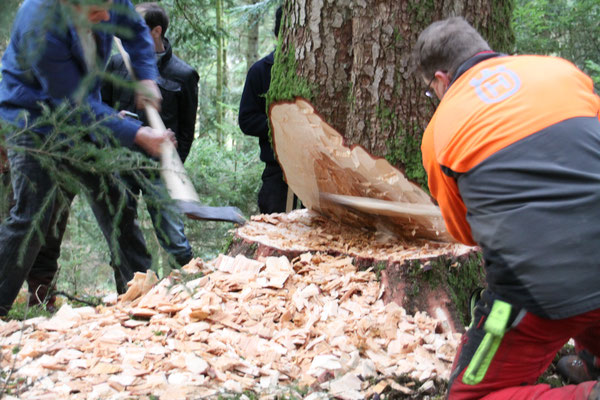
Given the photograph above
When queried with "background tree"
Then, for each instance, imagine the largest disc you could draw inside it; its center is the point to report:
(352, 59)
(565, 28)
(252, 38)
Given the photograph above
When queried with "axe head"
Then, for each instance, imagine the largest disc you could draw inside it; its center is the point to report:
(195, 210)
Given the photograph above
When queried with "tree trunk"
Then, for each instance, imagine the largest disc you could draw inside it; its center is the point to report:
(220, 81)
(252, 38)
(224, 45)
(351, 59)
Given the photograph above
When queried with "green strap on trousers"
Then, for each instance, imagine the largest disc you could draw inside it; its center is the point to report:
(495, 326)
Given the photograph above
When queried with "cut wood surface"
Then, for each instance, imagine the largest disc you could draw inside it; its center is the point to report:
(316, 160)
(246, 324)
(307, 231)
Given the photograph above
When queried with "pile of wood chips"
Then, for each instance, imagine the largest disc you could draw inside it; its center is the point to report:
(245, 324)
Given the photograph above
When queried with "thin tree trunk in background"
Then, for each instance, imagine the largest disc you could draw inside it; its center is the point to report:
(355, 55)
(226, 114)
(219, 91)
(225, 72)
(252, 39)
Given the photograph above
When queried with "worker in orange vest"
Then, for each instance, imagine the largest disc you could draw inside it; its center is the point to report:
(513, 158)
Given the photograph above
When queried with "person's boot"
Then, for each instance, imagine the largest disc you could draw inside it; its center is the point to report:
(577, 369)
(40, 294)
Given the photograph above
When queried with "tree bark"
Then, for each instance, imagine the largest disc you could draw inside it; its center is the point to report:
(220, 63)
(352, 58)
(252, 39)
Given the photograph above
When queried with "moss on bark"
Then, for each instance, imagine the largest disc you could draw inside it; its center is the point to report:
(458, 278)
(499, 34)
(285, 82)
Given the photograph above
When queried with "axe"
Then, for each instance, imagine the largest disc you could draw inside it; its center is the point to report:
(178, 183)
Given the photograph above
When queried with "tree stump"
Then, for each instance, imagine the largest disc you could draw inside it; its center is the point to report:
(419, 274)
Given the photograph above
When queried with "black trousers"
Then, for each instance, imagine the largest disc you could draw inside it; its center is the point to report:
(30, 237)
(272, 197)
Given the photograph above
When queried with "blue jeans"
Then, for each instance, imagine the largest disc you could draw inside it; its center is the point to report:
(30, 237)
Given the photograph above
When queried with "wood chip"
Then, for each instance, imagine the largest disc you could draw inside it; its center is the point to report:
(245, 325)
(142, 312)
(103, 368)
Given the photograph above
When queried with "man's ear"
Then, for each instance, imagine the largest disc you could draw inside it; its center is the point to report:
(441, 84)
(444, 77)
(156, 32)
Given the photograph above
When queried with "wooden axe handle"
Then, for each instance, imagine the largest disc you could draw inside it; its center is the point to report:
(178, 183)
(154, 118)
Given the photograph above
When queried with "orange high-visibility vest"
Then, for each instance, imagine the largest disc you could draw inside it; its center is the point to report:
(492, 105)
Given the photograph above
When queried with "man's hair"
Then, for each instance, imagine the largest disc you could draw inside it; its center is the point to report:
(278, 15)
(88, 2)
(445, 45)
(154, 15)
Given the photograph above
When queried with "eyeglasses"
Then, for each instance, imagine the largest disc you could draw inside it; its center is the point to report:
(430, 93)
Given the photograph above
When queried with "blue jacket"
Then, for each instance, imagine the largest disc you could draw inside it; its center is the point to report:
(44, 62)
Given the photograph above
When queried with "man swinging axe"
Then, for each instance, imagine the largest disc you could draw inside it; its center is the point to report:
(56, 51)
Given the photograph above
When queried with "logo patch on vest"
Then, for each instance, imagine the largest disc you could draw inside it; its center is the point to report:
(496, 84)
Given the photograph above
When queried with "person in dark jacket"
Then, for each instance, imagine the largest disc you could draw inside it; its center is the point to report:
(513, 158)
(253, 121)
(56, 51)
(178, 83)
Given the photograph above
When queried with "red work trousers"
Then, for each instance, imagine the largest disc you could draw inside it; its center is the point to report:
(524, 354)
